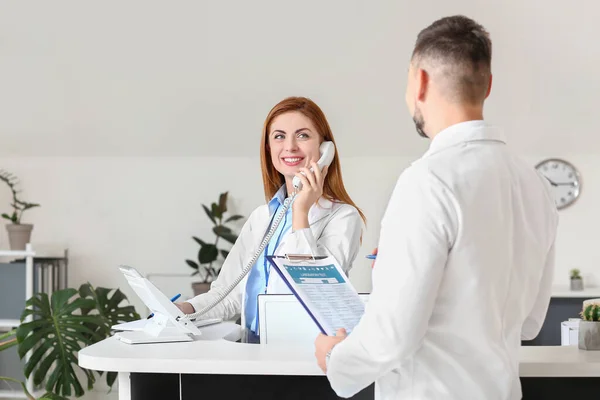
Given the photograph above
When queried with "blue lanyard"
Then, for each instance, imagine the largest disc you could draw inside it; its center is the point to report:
(266, 262)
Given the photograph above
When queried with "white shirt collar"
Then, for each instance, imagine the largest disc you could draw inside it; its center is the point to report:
(464, 132)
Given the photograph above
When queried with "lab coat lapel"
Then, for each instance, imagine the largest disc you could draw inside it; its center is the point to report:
(319, 210)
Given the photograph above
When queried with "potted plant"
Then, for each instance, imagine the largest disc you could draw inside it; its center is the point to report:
(589, 327)
(576, 280)
(208, 256)
(18, 234)
(65, 322)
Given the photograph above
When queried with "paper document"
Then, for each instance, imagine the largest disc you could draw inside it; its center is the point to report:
(324, 291)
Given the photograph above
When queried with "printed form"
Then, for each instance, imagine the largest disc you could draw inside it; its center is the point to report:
(324, 291)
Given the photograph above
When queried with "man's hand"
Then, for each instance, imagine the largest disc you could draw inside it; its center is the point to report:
(323, 344)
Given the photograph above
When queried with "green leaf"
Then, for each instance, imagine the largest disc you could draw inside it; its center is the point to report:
(210, 214)
(199, 241)
(220, 229)
(215, 211)
(223, 203)
(12, 218)
(208, 254)
(234, 218)
(111, 377)
(192, 264)
(224, 253)
(225, 233)
(108, 305)
(26, 206)
(55, 335)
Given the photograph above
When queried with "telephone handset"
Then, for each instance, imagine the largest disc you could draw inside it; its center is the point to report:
(327, 150)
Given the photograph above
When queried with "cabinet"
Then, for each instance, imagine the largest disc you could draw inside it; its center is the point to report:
(22, 274)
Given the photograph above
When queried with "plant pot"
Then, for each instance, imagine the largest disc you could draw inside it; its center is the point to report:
(589, 335)
(19, 235)
(577, 284)
(200, 287)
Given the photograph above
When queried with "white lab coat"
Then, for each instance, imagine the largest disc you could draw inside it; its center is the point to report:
(335, 230)
(464, 272)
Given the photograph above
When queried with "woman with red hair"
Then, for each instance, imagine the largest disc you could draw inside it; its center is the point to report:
(323, 219)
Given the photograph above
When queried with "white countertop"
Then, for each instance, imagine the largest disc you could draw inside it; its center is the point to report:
(223, 357)
(199, 357)
(586, 293)
(558, 361)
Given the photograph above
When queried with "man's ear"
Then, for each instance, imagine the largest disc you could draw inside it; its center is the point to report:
(422, 84)
(489, 90)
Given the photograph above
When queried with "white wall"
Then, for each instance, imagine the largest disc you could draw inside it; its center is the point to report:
(121, 118)
(197, 78)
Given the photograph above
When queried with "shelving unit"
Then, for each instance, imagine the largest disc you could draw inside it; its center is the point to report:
(42, 274)
(8, 324)
(18, 394)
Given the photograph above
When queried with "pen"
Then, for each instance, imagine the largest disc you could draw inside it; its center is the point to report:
(178, 295)
(371, 256)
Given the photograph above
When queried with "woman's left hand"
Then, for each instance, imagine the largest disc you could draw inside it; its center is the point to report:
(312, 188)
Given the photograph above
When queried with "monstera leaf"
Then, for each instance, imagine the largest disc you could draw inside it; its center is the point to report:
(54, 336)
(107, 306)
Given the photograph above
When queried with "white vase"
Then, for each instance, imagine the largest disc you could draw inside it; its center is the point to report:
(589, 335)
(19, 235)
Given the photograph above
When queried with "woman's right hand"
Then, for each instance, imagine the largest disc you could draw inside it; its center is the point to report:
(185, 307)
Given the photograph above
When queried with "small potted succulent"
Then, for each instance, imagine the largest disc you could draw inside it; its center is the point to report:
(576, 280)
(589, 327)
(19, 234)
(210, 255)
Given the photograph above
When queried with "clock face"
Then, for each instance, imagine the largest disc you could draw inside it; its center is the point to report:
(563, 178)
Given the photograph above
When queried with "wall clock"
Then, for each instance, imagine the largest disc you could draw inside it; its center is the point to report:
(564, 179)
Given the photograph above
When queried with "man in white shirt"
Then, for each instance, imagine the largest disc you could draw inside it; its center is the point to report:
(466, 251)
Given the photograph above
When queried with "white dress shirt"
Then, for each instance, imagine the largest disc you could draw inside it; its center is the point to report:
(463, 273)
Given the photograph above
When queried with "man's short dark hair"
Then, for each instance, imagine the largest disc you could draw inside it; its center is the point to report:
(462, 51)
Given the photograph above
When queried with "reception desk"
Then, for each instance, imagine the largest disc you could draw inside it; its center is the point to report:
(219, 369)
(225, 369)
